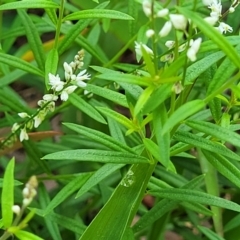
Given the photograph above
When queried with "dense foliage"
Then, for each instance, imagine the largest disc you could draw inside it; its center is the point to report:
(119, 119)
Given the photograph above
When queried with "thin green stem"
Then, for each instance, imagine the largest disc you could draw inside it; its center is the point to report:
(212, 187)
(59, 23)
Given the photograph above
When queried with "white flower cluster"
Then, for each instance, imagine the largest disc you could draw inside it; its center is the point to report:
(216, 12)
(29, 192)
(179, 22)
(176, 21)
(59, 88)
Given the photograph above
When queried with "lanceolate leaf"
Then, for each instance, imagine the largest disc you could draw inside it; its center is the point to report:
(224, 166)
(66, 191)
(20, 64)
(108, 94)
(182, 113)
(202, 65)
(162, 207)
(117, 214)
(98, 176)
(8, 194)
(87, 108)
(96, 156)
(196, 197)
(203, 143)
(117, 117)
(29, 4)
(125, 78)
(100, 137)
(216, 131)
(33, 38)
(98, 13)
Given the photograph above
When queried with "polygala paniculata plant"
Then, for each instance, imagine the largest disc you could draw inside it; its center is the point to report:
(121, 119)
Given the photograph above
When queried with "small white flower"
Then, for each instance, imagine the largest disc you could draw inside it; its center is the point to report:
(81, 77)
(216, 8)
(66, 92)
(50, 97)
(68, 71)
(150, 33)
(231, 9)
(16, 209)
(163, 12)
(170, 44)
(15, 127)
(39, 118)
(41, 103)
(179, 21)
(147, 7)
(224, 28)
(23, 115)
(211, 20)
(192, 51)
(26, 192)
(23, 135)
(165, 29)
(182, 47)
(167, 58)
(207, 2)
(55, 82)
(138, 50)
(27, 201)
(51, 106)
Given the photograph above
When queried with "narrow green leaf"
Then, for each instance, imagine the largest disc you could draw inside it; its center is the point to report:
(93, 155)
(29, 4)
(33, 38)
(148, 61)
(8, 194)
(209, 233)
(162, 207)
(66, 191)
(233, 223)
(216, 131)
(143, 99)
(194, 196)
(35, 156)
(197, 141)
(74, 31)
(24, 235)
(118, 212)
(108, 94)
(98, 13)
(66, 222)
(98, 176)
(159, 119)
(13, 103)
(223, 72)
(100, 137)
(44, 201)
(202, 65)
(182, 113)
(117, 117)
(20, 64)
(213, 34)
(158, 97)
(51, 65)
(16, 183)
(85, 107)
(224, 166)
(125, 78)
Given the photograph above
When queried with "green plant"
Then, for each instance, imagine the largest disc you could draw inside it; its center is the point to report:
(130, 146)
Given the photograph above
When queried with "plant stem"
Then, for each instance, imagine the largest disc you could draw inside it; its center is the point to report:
(57, 35)
(212, 187)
